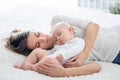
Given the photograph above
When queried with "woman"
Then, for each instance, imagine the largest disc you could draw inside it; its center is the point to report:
(98, 47)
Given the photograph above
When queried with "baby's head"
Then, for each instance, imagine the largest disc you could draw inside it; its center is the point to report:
(62, 32)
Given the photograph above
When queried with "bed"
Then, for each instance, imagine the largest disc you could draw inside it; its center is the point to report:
(38, 18)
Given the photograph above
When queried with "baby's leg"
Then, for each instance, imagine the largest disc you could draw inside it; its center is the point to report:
(24, 66)
(36, 55)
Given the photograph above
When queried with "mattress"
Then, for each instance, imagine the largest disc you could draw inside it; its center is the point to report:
(39, 18)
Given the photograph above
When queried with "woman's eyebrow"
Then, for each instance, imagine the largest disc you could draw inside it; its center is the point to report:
(35, 33)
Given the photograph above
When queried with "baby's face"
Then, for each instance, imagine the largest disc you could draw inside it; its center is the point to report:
(61, 34)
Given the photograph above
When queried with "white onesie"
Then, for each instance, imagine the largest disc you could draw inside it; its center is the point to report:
(69, 49)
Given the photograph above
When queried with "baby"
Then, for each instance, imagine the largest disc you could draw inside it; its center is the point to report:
(67, 46)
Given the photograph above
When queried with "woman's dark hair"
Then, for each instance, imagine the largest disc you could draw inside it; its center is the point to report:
(18, 42)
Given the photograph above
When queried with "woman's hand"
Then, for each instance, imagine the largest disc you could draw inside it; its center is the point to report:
(76, 61)
(49, 66)
(50, 69)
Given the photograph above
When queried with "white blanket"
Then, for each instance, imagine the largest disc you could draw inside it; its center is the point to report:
(33, 17)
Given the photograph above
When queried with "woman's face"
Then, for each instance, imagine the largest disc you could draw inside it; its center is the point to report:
(39, 40)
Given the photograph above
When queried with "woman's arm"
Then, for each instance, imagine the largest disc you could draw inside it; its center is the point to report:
(86, 69)
(91, 34)
(59, 71)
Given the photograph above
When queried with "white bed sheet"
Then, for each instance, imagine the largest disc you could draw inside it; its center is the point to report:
(34, 17)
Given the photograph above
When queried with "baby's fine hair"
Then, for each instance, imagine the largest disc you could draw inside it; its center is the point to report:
(18, 42)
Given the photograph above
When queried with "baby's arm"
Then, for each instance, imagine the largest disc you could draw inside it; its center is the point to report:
(59, 58)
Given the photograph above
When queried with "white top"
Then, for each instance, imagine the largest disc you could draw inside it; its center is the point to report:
(107, 44)
(69, 49)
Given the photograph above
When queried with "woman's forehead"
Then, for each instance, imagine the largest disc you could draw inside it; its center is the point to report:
(31, 34)
(31, 40)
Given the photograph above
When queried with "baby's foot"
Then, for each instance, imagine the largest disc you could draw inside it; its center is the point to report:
(26, 66)
(19, 66)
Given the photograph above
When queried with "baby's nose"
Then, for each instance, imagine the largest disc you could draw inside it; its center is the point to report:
(58, 38)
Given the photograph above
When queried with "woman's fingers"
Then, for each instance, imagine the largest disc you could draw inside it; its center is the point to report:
(45, 66)
(47, 69)
(36, 68)
(55, 70)
(50, 64)
(50, 69)
(41, 69)
(72, 64)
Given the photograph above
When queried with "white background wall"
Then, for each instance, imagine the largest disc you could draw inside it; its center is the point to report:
(6, 5)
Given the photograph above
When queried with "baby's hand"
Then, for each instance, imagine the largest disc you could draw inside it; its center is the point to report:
(59, 58)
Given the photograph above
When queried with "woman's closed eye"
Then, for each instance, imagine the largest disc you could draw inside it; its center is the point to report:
(59, 34)
(37, 34)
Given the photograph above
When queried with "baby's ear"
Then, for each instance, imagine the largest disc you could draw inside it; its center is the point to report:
(70, 29)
